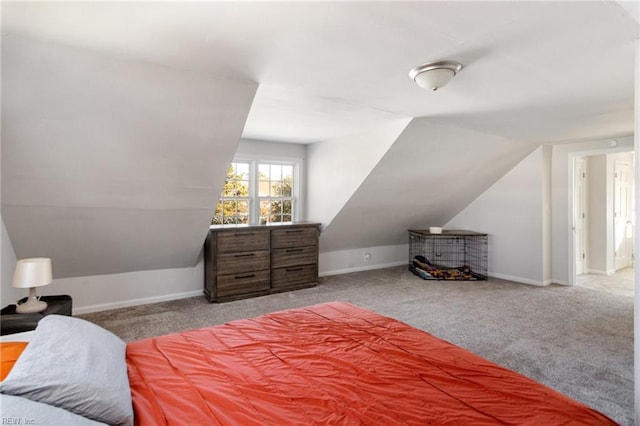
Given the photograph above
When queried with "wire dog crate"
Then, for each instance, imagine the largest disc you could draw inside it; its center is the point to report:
(452, 255)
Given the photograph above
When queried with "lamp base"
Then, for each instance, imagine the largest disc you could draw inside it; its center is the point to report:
(31, 306)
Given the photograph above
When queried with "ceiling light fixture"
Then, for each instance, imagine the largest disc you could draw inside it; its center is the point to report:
(434, 75)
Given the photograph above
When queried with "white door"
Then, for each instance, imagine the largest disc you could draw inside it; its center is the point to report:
(623, 214)
(580, 213)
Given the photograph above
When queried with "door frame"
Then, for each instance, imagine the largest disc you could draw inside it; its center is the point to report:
(583, 242)
(570, 234)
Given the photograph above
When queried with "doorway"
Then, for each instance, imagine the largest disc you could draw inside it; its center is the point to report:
(602, 216)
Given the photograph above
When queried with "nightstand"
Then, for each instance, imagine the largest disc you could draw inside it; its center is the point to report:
(11, 322)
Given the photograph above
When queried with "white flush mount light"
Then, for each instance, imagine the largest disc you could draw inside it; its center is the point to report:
(434, 75)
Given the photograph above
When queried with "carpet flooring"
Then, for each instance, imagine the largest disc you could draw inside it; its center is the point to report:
(577, 340)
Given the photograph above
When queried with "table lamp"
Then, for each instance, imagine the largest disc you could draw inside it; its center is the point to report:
(32, 273)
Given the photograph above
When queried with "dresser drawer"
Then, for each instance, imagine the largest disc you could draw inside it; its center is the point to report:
(294, 237)
(294, 276)
(239, 240)
(233, 263)
(241, 283)
(294, 256)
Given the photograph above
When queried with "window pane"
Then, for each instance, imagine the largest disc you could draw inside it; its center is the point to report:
(243, 208)
(265, 210)
(228, 211)
(286, 218)
(242, 170)
(231, 211)
(236, 182)
(286, 207)
(276, 172)
(263, 188)
(276, 189)
(217, 217)
(263, 172)
(243, 189)
(287, 187)
(242, 220)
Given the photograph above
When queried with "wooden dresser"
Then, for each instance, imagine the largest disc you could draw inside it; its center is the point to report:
(248, 261)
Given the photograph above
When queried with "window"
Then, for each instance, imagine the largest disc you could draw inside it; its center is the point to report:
(258, 192)
(275, 192)
(233, 206)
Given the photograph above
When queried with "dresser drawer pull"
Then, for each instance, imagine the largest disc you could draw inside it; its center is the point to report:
(293, 250)
(245, 255)
(243, 234)
(300, 268)
(240, 277)
(293, 231)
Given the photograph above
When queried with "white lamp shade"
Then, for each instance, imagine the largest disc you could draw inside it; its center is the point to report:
(34, 272)
(434, 79)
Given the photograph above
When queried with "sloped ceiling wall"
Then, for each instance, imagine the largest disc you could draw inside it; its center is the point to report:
(111, 165)
(337, 167)
(427, 176)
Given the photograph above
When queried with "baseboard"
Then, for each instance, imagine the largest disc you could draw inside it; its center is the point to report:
(362, 259)
(520, 279)
(135, 302)
(362, 268)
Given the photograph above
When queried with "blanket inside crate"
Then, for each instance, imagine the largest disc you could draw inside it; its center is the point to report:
(423, 268)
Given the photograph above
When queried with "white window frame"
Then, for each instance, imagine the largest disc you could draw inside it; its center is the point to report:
(247, 198)
(297, 194)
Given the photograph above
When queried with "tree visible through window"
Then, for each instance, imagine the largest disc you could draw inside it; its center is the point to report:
(267, 188)
(233, 206)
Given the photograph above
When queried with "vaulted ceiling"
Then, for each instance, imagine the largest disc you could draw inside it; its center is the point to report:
(119, 118)
(536, 70)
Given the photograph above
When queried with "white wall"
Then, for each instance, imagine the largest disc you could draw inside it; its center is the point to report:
(512, 213)
(343, 261)
(104, 292)
(269, 149)
(8, 294)
(636, 274)
(429, 174)
(562, 253)
(337, 167)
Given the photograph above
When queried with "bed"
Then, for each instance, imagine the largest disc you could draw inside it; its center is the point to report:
(333, 363)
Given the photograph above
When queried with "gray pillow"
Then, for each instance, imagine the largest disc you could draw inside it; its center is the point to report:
(75, 365)
(22, 411)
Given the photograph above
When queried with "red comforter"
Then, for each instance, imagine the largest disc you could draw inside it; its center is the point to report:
(332, 363)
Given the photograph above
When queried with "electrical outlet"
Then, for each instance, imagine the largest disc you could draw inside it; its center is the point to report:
(367, 257)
